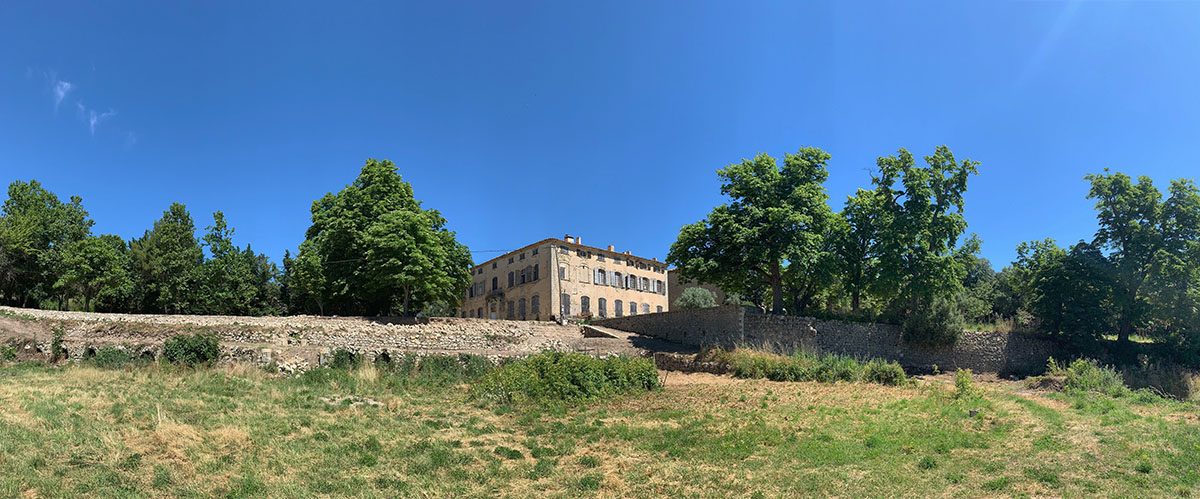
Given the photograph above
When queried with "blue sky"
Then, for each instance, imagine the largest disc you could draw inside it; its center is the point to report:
(520, 121)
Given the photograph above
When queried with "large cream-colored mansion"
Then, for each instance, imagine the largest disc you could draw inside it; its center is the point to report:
(561, 278)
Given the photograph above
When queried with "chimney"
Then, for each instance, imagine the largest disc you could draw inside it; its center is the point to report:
(629, 253)
(611, 248)
(568, 238)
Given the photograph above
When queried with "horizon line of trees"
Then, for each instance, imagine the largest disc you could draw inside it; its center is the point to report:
(371, 249)
(898, 252)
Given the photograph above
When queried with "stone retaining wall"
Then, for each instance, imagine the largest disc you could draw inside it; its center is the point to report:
(731, 326)
(718, 326)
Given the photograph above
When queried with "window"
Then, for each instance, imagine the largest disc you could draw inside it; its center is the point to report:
(617, 308)
(535, 272)
(632, 308)
(495, 283)
(645, 308)
(479, 313)
(598, 276)
(585, 305)
(659, 309)
(521, 309)
(494, 265)
(600, 257)
(522, 256)
(645, 286)
(524, 276)
(533, 305)
(471, 291)
(659, 288)
(618, 281)
(535, 251)
(581, 253)
(464, 314)
(510, 259)
(564, 304)
(617, 260)
(510, 279)
(602, 307)
(509, 315)
(629, 280)
(562, 274)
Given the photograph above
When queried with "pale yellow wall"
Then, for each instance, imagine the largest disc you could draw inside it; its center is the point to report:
(579, 282)
(499, 268)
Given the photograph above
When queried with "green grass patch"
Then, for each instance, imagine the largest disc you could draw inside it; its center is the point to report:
(801, 366)
(568, 377)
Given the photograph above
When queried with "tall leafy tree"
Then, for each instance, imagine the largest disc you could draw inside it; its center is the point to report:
(777, 217)
(170, 260)
(1068, 290)
(36, 231)
(854, 236)
(922, 207)
(1141, 233)
(98, 266)
(372, 248)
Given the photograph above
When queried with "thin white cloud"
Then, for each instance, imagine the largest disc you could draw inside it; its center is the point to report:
(61, 89)
(92, 117)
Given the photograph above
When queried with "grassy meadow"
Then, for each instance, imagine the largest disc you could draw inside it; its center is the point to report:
(161, 430)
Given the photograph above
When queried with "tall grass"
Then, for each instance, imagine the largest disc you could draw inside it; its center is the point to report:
(802, 366)
(568, 377)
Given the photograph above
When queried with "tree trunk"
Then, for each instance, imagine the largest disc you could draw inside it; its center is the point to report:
(854, 300)
(407, 294)
(776, 288)
(87, 299)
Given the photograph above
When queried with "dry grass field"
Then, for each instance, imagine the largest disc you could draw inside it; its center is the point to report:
(158, 430)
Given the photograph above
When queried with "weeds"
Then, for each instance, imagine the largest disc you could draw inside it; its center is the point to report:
(191, 350)
(803, 366)
(570, 377)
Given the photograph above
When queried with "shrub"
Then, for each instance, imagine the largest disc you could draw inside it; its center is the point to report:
(8, 353)
(111, 357)
(884, 373)
(192, 349)
(696, 297)
(803, 366)
(571, 377)
(343, 359)
(938, 323)
(964, 384)
(56, 349)
(1087, 375)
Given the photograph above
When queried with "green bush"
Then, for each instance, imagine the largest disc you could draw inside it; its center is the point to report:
(884, 373)
(193, 349)
(964, 384)
(8, 353)
(342, 359)
(1087, 375)
(571, 377)
(939, 323)
(695, 297)
(802, 366)
(111, 357)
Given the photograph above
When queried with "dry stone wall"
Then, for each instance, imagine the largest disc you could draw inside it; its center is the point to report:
(717, 326)
(294, 342)
(1003, 353)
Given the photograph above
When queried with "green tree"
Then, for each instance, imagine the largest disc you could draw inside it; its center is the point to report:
(1068, 290)
(36, 231)
(921, 213)
(170, 260)
(854, 236)
(695, 297)
(777, 217)
(229, 286)
(1141, 233)
(372, 248)
(98, 266)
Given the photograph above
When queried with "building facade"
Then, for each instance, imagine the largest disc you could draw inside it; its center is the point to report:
(561, 278)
